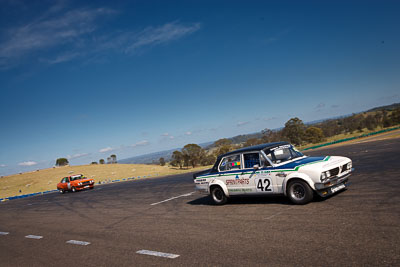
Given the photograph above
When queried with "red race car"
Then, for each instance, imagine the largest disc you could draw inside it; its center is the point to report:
(75, 183)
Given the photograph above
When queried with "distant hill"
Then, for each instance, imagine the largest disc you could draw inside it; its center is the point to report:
(149, 158)
(154, 157)
(388, 107)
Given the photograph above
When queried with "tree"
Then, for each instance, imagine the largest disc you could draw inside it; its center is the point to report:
(113, 158)
(222, 150)
(314, 135)
(251, 142)
(109, 160)
(223, 145)
(162, 161)
(209, 159)
(102, 161)
(269, 136)
(62, 162)
(93, 162)
(177, 158)
(294, 130)
(194, 154)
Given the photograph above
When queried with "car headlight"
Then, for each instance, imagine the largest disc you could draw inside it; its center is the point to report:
(349, 165)
(325, 175)
(79, 183)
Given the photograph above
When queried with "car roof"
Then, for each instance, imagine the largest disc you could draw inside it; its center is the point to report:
(254, 148)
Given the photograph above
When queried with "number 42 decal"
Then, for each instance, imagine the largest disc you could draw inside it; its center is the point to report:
(264, 185)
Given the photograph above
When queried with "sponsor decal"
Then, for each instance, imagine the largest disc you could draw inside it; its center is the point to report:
(337, 188)
(280, 147)
(241, 190)
(237, 181)
(237, 163)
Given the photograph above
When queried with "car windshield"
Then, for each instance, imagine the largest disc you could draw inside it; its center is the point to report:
(76, 177)
(283, 153)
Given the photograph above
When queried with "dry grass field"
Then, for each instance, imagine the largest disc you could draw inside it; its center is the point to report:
(47, 179)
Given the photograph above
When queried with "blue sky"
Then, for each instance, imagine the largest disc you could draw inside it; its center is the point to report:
(85, 80)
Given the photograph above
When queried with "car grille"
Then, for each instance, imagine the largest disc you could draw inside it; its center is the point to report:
(344, 167)
(337, 170)
(86, 183)
(334, 171)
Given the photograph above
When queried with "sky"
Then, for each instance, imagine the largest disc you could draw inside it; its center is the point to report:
(87, 79)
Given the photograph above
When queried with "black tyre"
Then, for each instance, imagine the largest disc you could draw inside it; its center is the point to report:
(62, 191)
(218, 195)
(299, 192)
(73, 189)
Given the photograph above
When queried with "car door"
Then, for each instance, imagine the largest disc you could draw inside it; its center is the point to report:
(63, 183)
(260, 178)
(230, 170)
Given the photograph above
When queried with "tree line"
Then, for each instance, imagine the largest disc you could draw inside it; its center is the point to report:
(110, 160)
(295, 131)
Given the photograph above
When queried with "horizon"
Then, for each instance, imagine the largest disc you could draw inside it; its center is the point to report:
(84, 80)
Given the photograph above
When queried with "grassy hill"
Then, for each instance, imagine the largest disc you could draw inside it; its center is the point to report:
(47, 179)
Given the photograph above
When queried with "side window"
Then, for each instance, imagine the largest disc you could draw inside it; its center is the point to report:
(64, 180)
(230, 163)
(251, 159)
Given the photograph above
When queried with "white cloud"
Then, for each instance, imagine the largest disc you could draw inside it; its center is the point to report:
(3, 165)
(270, 118)
(162, 34)
(188, 133)
(78, 155)
(165, 134)
(27, 163)
(48, 31)
(59, 35)
(242, 123)
(106, 149)
(141, 143)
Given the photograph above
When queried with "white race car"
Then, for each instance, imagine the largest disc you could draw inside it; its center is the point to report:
(274, 168)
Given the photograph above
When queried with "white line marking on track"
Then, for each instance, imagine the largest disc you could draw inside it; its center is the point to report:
(4, 233)
(184, 195)
(34, 236)
(157, 254)
(76, 242)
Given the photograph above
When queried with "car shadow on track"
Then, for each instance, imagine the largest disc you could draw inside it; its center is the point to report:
(206, 200)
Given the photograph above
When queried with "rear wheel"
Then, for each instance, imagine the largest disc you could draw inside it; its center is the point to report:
(73, 189)
(300, 192)
(62, 191)
(218, 195)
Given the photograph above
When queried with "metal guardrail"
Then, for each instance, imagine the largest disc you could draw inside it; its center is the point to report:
(106, 181)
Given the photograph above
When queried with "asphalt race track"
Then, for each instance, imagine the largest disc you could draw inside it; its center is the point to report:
(359, 226)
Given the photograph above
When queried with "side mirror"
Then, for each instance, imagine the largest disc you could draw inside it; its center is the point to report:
(256, 167)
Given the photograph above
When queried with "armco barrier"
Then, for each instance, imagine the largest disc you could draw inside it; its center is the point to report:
(49, 191)
(351, 138)
(26, 195)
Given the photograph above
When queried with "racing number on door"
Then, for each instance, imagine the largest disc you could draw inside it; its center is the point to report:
(264, 185)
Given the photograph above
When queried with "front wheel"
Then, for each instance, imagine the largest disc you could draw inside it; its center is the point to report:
(300, 192)
(73, 189)
(218, 195)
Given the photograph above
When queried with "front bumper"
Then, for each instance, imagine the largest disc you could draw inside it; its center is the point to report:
(333, 185)
(82, 187)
